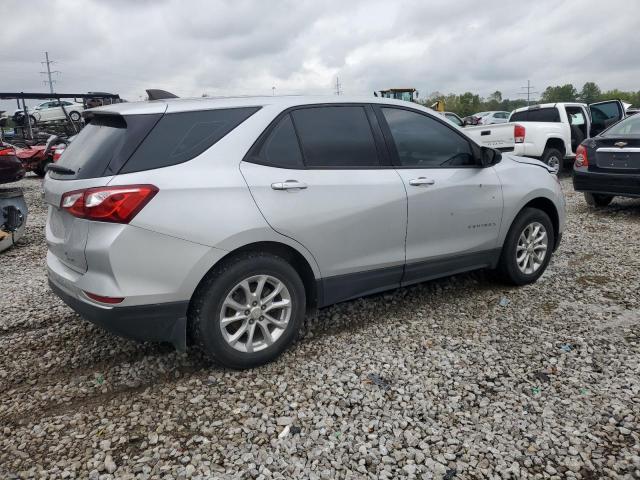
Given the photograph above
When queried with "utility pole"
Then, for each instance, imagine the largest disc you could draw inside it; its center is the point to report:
(48, 63)
(338, 86)
(273, 91)
(528, 88)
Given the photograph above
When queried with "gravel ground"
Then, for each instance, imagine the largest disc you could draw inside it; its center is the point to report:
(452, 379)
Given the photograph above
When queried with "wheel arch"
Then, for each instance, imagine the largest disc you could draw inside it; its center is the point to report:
(548, 207)
(288, 253)
(557, 143)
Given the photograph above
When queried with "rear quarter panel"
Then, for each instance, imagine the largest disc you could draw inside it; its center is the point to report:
(536, 136)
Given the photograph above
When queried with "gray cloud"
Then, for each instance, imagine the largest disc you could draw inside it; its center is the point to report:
(226, 47)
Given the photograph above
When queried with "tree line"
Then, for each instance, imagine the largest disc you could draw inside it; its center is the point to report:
(469, 103)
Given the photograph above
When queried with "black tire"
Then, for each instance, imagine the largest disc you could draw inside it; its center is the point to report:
(508, 266)
(205, 311)
(553, 157)
(75, 116)
(597, 199)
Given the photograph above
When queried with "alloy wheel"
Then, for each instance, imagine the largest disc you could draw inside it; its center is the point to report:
(532, 247)
(255, 313)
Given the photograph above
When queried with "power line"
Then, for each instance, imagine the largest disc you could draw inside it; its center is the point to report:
(528, 88)
(338, 86)
(48, 73)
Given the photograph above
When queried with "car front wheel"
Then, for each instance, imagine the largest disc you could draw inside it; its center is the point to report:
(75, 116)
(248, 310)
(527, 248)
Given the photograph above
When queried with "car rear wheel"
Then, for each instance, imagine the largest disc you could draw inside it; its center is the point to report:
(248, 310)
(527, 248)
(597, 199)
(554, 158)
(75, 116)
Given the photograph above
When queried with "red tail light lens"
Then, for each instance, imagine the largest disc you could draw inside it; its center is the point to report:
(101, 299)
(117, 204)
(7, 152)
(581, 157)
(519, 133)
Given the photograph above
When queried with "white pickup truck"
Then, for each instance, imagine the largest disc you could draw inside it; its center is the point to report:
(550, 132)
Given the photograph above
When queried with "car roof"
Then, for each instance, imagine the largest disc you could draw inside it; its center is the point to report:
(172, 105)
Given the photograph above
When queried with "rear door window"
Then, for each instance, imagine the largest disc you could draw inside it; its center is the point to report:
(336, 137)
(550, 115)
(281, 147)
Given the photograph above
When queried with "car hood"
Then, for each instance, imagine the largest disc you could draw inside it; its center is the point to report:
(528, 161)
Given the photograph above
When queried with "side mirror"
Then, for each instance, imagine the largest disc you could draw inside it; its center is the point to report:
(489, 156)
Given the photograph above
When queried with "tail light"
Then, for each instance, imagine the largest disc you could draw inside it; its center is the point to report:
(115, 204)
(7, 152)
(58, 152)
(519, 133)
(581, 157)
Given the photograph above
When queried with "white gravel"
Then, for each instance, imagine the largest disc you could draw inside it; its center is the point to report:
(458, 378)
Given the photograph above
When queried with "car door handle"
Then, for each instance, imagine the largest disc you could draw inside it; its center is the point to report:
(416, 182)
(289, 185)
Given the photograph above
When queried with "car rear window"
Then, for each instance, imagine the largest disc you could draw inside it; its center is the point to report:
(112, 144)
(536, 115)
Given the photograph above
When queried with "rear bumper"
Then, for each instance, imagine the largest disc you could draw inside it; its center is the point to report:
(607, 183)
(162, 322)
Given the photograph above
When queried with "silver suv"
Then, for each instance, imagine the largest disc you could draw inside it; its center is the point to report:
(232, 219)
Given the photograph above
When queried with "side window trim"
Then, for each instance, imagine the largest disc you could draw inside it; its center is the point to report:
(391, 145)
(383, 155)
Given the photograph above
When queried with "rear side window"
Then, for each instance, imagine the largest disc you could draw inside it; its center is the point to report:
(281, 148)
(336, 137)
(536, 115)
(179, 137)
(112, 144)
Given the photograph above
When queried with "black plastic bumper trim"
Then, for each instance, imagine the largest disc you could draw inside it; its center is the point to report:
(160, 322)
(625, 185)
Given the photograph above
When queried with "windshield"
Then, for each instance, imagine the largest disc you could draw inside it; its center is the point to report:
(628, 126)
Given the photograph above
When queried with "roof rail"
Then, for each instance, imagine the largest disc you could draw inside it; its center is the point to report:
(155, 94)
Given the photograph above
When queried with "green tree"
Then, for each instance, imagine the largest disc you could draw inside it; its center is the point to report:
(563, 93)
(590, 93)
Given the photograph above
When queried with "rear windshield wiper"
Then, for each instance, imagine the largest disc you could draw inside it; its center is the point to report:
(60, 169)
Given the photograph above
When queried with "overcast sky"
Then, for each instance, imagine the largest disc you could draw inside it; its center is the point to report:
(246, 47)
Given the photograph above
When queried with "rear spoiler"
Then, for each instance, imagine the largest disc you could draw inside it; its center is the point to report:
(155, 94)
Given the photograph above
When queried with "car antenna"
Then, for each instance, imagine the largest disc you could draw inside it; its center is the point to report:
(155, 94)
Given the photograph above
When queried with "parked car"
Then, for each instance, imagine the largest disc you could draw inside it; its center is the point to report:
(233, 218)
(52, 110)
(490, 118)
(453, 118)
(13, 208)
(608, 164)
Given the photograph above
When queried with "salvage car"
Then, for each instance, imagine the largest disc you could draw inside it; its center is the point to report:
(232, 219)
(13, 208)
(52, 110)
(608, 165)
